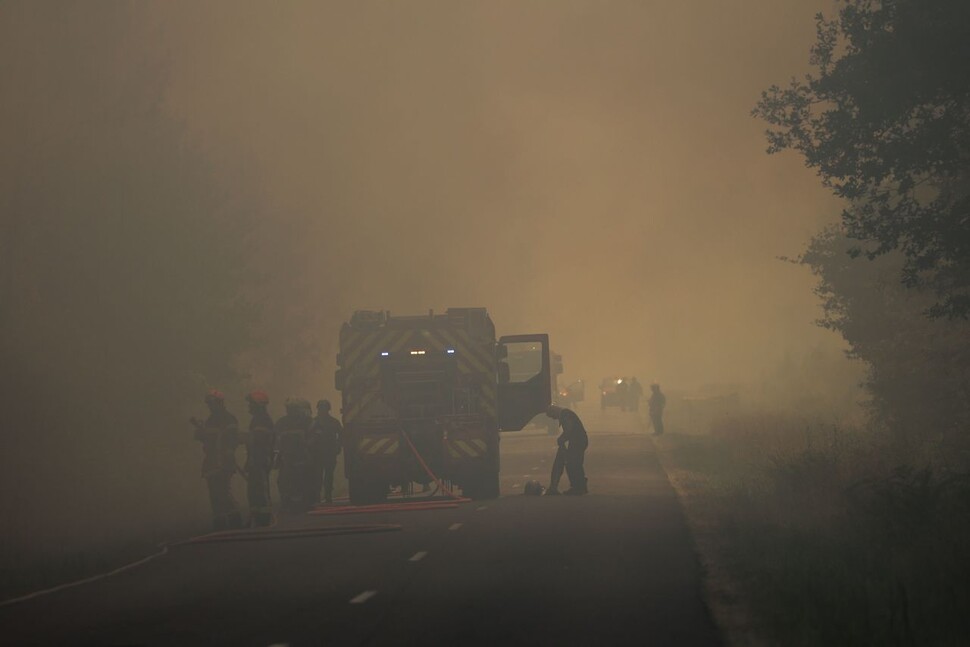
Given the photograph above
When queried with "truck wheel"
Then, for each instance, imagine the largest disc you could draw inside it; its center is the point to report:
(363, 492)
(483, 487)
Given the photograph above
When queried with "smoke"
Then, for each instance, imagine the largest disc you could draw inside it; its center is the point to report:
(200, 193)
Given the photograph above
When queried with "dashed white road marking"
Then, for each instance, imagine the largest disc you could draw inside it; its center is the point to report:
(363, 597)
(454, 526)
(513, 485)
(418, 556)
(535, 468)
(481, 507)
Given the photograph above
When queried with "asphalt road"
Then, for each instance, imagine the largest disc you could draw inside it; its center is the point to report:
(612, 568)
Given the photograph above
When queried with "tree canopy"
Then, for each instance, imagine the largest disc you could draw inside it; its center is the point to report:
(885, 120)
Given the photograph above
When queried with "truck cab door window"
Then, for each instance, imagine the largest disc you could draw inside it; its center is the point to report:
(524, 382)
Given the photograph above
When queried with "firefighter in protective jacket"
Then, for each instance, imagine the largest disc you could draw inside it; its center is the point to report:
(323, 443)
(292, 456)
(260, 446)
(219, 436)
(573, 442)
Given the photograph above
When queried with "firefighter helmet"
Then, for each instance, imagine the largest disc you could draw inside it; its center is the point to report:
(323, 404)
(214, 395)
(553, 411)
(534, 488)
(258, 397)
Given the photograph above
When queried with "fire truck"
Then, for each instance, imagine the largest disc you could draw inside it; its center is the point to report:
(431, 393)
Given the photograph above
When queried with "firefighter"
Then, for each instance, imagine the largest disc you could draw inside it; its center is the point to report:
(623, 393)
(291, 437)
(657, 403)
(558, 465)
(219, 435)
(636, 392)
(323, 443)
(573, 442)
(259, 458)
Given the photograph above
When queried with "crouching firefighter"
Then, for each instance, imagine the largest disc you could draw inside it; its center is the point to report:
(323, 443)
(259, 459)
(219, 436)
(572, 442)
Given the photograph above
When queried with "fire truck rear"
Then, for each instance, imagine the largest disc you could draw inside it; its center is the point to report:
(431, 393)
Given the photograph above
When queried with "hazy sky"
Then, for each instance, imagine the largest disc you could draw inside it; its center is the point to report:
(589, 169)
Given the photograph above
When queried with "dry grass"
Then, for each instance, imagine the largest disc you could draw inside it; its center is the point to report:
(826, 536)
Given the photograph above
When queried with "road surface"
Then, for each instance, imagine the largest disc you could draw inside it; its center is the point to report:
(615, 567)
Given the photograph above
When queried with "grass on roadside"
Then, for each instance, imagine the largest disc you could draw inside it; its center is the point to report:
(829, 542)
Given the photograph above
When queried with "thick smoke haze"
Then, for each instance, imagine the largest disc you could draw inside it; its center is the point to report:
(586, 169)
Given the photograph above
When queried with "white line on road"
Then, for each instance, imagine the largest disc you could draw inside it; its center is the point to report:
(481, 507)
(535, 468)
(454, 526)
(418, 556)
(363, 597)
(513, 485)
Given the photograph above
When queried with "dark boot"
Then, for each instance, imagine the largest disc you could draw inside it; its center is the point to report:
(578, 490)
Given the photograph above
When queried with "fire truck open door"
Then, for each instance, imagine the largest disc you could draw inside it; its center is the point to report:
(524, 385)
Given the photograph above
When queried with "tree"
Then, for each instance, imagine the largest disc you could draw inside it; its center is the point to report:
(918, 367)
(885, 121)
(122, 256)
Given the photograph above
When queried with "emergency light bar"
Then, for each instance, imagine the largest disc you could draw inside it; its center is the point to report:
(418, 352)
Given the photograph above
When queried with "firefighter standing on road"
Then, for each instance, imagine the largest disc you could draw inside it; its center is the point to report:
(623, 393)
(636, 392)
(657, 403)
(259, 459)
(219, 436)
(291, 443)
(573, 442)
(323, 443)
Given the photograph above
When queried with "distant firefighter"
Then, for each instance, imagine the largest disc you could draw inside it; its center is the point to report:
(573, 442)
(657, 403)
(323, 443)
(635, 393)
(292, 454)
(623, 393)
(260, 446)
(219, 436)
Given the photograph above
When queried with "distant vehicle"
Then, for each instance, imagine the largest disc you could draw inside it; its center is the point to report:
(572, 393)
(609, 396)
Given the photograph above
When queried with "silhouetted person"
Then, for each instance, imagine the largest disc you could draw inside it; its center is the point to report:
(558, 465)
(573, 442)
(219, 435)
(323, 443)
(259, 459)
(636, 392)
(292, 454)
(657, 403)
(623, 393)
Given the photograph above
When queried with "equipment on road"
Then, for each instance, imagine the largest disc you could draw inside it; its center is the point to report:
(440, 383)
(534, 488)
